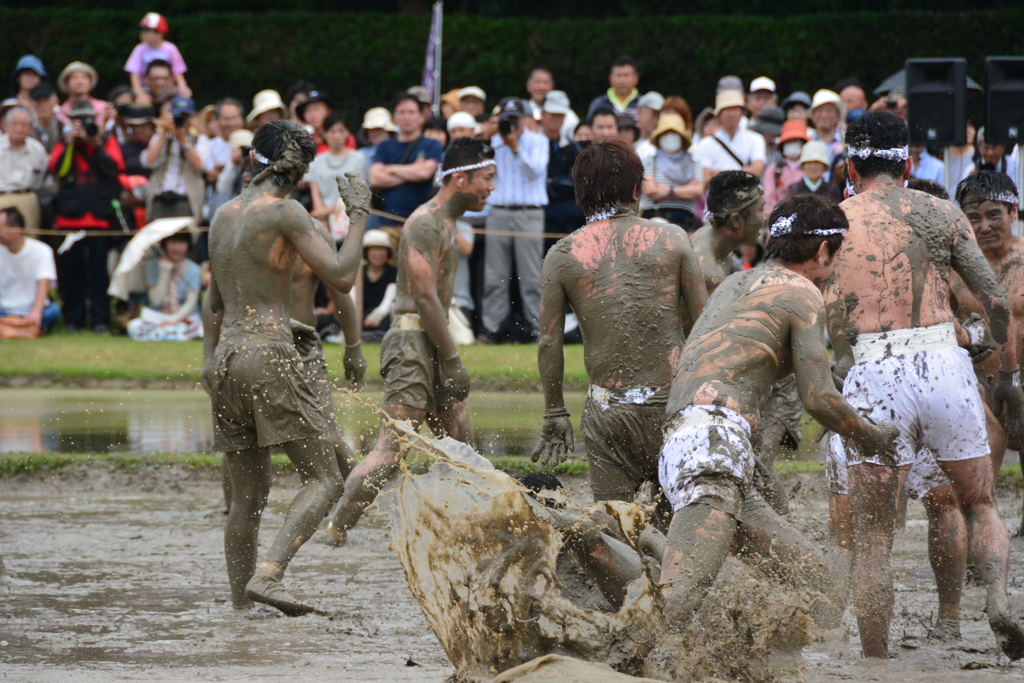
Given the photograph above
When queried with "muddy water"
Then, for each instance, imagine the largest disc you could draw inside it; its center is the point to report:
(121, 577)
(179, 421)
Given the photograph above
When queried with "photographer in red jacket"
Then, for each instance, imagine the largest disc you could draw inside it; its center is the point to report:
(86, 165)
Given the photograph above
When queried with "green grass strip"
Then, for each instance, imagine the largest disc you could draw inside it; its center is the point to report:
(12, 464)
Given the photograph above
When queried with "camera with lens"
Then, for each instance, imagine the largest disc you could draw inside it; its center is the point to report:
(90, 127)
(506, 125)
(180, 120)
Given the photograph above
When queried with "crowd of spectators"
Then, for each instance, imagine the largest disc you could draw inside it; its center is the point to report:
(146, 152)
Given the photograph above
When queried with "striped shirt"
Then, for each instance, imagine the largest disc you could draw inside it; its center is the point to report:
(522, 178)
(654, 168)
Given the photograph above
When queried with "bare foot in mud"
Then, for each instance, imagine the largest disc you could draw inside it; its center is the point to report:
(334, 537)
(1008, 634)
(270, 592)
(945, 631)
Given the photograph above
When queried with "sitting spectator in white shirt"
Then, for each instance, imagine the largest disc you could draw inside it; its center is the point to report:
(173, 283)
(27, 271)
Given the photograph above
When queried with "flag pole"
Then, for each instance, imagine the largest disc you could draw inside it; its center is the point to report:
(439, 15)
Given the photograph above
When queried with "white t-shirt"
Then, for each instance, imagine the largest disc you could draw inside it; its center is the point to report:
(746, 145)
(20, 272)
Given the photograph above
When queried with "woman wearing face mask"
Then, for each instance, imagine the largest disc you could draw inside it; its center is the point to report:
(782, 174)
(673, 178)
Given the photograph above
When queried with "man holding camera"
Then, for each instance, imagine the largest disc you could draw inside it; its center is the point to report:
(85, 164)
(179, 158)
(517, 208)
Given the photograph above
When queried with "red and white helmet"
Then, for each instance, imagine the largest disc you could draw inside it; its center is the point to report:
(154, 21)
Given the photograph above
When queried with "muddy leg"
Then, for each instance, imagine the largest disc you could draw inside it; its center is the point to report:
(611, 563)
(947, 554)
(453, 422)
(225, 484)
(989, 545)
(342, 452)
(996, 438)
(874, 493)
(770, 543)
(322, 484)
(249, 472)
(367, 478)
(840, 553)
(699, 539)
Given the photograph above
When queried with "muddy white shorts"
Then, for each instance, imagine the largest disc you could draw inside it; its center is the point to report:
(920, 380)
(925, 474)
(707, 454)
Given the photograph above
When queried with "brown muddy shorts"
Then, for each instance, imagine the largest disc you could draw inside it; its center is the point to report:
(412, 372)
(315, 367)
(623, 445)
(262, 396)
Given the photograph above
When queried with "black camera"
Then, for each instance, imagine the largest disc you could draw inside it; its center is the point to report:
(90, 127)
(180, 120)
(505, 126)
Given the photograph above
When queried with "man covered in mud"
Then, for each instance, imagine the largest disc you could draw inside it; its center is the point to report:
(253, 370)
(424, 377)
(989, 200)
(889, 313)
(627, 279)
(758, 325)
(735, 216)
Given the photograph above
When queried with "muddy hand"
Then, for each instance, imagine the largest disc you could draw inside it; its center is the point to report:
(556, 439)
(980, 345)
(881, 443)
(206, 377)
(1007, 394)
(456, 378)
(355, 193)
(355, 363)
(304, 336)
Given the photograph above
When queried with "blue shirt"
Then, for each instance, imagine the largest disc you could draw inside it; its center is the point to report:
(522, 179)
(191, 281)
(405, 198)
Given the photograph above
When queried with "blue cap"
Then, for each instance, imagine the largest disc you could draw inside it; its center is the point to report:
(183, 105)
(30, 62)
(855, 114)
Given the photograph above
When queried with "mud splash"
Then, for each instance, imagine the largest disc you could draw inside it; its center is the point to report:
(481, 561)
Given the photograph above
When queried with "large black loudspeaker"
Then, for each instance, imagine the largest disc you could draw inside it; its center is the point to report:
(937, 101)
(1004, 100)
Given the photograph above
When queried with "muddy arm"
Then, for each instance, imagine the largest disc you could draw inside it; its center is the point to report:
(213, 316)
(813, 374)
(550, 358)
(972, 267)
(691, 282)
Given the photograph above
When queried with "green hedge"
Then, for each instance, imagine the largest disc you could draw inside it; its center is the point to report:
(363, 59)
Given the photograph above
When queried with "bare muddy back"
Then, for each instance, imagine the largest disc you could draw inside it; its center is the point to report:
(481, 562)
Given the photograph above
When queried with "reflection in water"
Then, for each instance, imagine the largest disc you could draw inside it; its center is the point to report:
(178, 421)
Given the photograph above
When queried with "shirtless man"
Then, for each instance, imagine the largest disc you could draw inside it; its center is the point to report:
(989, 200)
(735, 216)
(758, 325)
(253, 370)
(627, 279)
(424, 378)
(889, 311)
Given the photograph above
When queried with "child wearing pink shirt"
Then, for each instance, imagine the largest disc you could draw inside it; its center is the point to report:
(152, 30)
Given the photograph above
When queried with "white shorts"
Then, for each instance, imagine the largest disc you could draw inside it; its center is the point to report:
(705, 445)
(931, 396)
(925, 474)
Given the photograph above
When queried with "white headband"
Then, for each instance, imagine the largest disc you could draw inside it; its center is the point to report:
(471, 167)
(783, 225)
(603, 214)
(260, 159)
(894, 154)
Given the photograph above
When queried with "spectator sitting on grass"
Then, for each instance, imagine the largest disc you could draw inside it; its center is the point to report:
(27, 271)
(173, 283)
